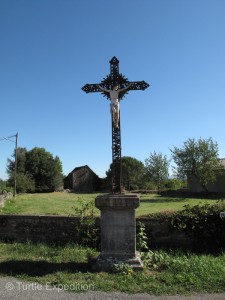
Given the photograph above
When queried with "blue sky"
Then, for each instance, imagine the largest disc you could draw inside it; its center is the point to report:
(50, 48)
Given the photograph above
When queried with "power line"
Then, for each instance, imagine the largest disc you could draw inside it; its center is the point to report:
(8, 138)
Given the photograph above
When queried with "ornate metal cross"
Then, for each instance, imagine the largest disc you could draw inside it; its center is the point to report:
(118, 82)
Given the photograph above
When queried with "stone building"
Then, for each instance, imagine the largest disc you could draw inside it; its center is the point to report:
(82, 179)
(217, 187)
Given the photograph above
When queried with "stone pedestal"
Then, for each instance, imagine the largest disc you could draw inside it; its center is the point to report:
(118, 231)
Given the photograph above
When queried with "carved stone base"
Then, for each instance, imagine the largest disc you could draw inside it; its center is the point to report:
(106, 263)
(118, 231)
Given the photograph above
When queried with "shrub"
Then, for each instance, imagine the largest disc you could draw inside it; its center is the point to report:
(142, 239)
(25, 183)
(88, 232)
(156, 260)
(203, 224)
(175, 183)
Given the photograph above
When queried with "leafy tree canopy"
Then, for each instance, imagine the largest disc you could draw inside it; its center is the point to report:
(37, 170)
(198, 158)
(133, 173)
(158, 168)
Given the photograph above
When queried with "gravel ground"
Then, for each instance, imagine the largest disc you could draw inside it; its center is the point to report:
(12, 288)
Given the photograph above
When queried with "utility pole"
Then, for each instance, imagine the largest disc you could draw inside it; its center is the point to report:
(15, 169)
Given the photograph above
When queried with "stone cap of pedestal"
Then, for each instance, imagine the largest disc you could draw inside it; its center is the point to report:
(117, 201)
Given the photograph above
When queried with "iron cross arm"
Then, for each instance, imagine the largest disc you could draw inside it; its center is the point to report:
(115, 79)
(138, 85)
(135, 85)
(91, 88)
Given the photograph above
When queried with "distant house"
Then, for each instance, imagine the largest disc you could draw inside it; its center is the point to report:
(82, 179)
(217, 187)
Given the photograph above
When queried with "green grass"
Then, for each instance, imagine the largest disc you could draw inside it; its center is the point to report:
(166, 272)
(153, 203)
(46, 203)
(64, 203)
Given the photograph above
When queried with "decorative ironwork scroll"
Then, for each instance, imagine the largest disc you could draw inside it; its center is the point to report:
(115, 79)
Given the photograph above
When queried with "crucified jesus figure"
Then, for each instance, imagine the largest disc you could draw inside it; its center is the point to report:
(115, 102)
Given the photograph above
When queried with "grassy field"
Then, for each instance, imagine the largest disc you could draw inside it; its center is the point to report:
(67, 266)
(64, 203)
(46, 203)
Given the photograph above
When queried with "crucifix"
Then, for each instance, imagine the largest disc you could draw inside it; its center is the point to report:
(114, 87)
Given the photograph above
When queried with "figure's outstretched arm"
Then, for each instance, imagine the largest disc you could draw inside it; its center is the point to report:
(124, 89)
(104, 90)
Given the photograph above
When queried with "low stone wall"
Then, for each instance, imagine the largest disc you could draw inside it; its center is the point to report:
(160, 235)
(63, 229)
(38, 228)
(4, 196)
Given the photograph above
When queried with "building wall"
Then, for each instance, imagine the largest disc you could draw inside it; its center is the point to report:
(217, 187)
(82, 179)
(85, 180)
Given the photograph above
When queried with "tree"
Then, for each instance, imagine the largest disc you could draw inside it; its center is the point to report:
(45, 170)
(198, 159)
(37, 170)
(3, 185)
(25, 183)
(158, 168)
(133, 173)
(57, 176)
(21, 158)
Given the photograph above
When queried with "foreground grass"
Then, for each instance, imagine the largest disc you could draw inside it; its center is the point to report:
(64, 203)
(167, 272)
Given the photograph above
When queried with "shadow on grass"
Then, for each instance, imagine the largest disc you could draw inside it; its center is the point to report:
(194, 195)
(167, 197)
(163, 200)
(40, 268)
